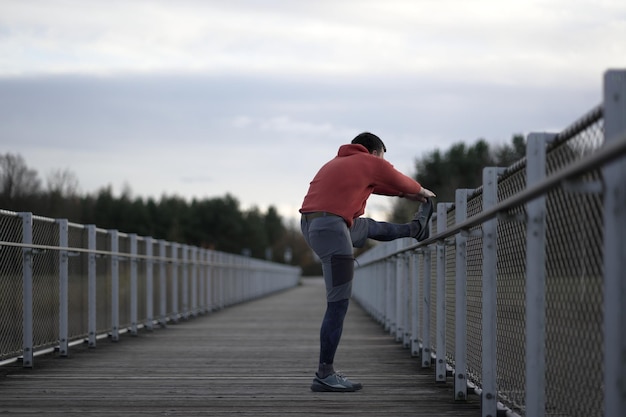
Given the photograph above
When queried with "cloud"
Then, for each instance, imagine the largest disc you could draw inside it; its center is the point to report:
(197, 179)
(202, 98)
(488, 40)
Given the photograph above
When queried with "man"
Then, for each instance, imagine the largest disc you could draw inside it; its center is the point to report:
(332, 226)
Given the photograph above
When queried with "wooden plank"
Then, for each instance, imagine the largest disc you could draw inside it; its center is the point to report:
(254, 359)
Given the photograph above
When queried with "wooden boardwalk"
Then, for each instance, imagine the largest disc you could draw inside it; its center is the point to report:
(254, 359)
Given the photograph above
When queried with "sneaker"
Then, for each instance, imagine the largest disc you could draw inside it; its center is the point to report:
(421, 219)
(335, 383)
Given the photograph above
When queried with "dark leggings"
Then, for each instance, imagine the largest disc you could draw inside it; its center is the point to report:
(332, 326)
(332, 241)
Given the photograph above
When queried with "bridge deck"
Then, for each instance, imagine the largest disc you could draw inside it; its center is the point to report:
(254, 359)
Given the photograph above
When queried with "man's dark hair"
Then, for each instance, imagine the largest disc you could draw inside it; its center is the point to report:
(370, 141)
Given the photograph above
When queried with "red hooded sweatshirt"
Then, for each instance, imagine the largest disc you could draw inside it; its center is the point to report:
(343, 185)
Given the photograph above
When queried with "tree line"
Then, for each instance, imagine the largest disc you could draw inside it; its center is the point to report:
(220, 223)
(460, 166)
(217, 223)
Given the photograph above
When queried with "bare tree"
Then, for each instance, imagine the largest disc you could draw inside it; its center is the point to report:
(16, 180)
(62, 182)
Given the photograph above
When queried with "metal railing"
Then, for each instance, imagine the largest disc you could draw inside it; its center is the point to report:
(518, 295)
(63, 284)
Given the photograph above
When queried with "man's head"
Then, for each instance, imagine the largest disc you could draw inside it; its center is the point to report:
(374, 145)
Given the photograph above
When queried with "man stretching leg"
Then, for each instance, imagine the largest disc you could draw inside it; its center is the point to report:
(332, 226)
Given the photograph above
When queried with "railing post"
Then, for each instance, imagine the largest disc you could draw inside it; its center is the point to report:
(162, 284)
(221, 284)
(185, 288)
(220, 281)
(228, 280)
(27, 290)
(149, 285)
(63, 288)
(415, 308)
(390, 321)
(425, 355)
(460, 297)
(399, 280)
(535, 277)
(209, 280)
(406, 317)
(378, 276)
(194, 281)
(174, 256)
(440, 363)
(614, 248)
(202, 273)
(489, 401)
(115, 286)
(133, 284)
(91, 284)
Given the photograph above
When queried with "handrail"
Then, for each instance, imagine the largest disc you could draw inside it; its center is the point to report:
(166, 259)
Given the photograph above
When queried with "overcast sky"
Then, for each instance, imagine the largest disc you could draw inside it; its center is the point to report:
(203, 98)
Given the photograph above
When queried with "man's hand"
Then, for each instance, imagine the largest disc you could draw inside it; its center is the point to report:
(425, 192)
(422, 196)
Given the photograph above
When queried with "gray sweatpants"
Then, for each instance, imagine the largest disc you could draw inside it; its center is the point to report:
(332, 240)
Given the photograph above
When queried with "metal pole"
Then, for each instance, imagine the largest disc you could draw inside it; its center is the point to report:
(440, 364)
(614, 249)
(91, 284)
(194, 281)
(63, 288)
(162, 285)
(174, 256)
(133, 285)
(149, 285)
(209, 280)
(399, 297)
(185, 277)
(406, 276)
(489, 293)
(426, 311)
(535, 278)
(202, 273)
(415, 308)
(27, 290)
(390, 319)
(460, 297)
(115, 287)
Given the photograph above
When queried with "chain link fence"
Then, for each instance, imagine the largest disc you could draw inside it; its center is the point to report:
(63, 284)
(449, 277)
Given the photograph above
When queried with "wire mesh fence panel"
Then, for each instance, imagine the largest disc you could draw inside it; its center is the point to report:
(103, 283)
(124, 267)
(45, 284)
(142, 248)
(511, 290)
(450, 261)
(10, 286)
(77, 284)
(474, 296)
(574, 288)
